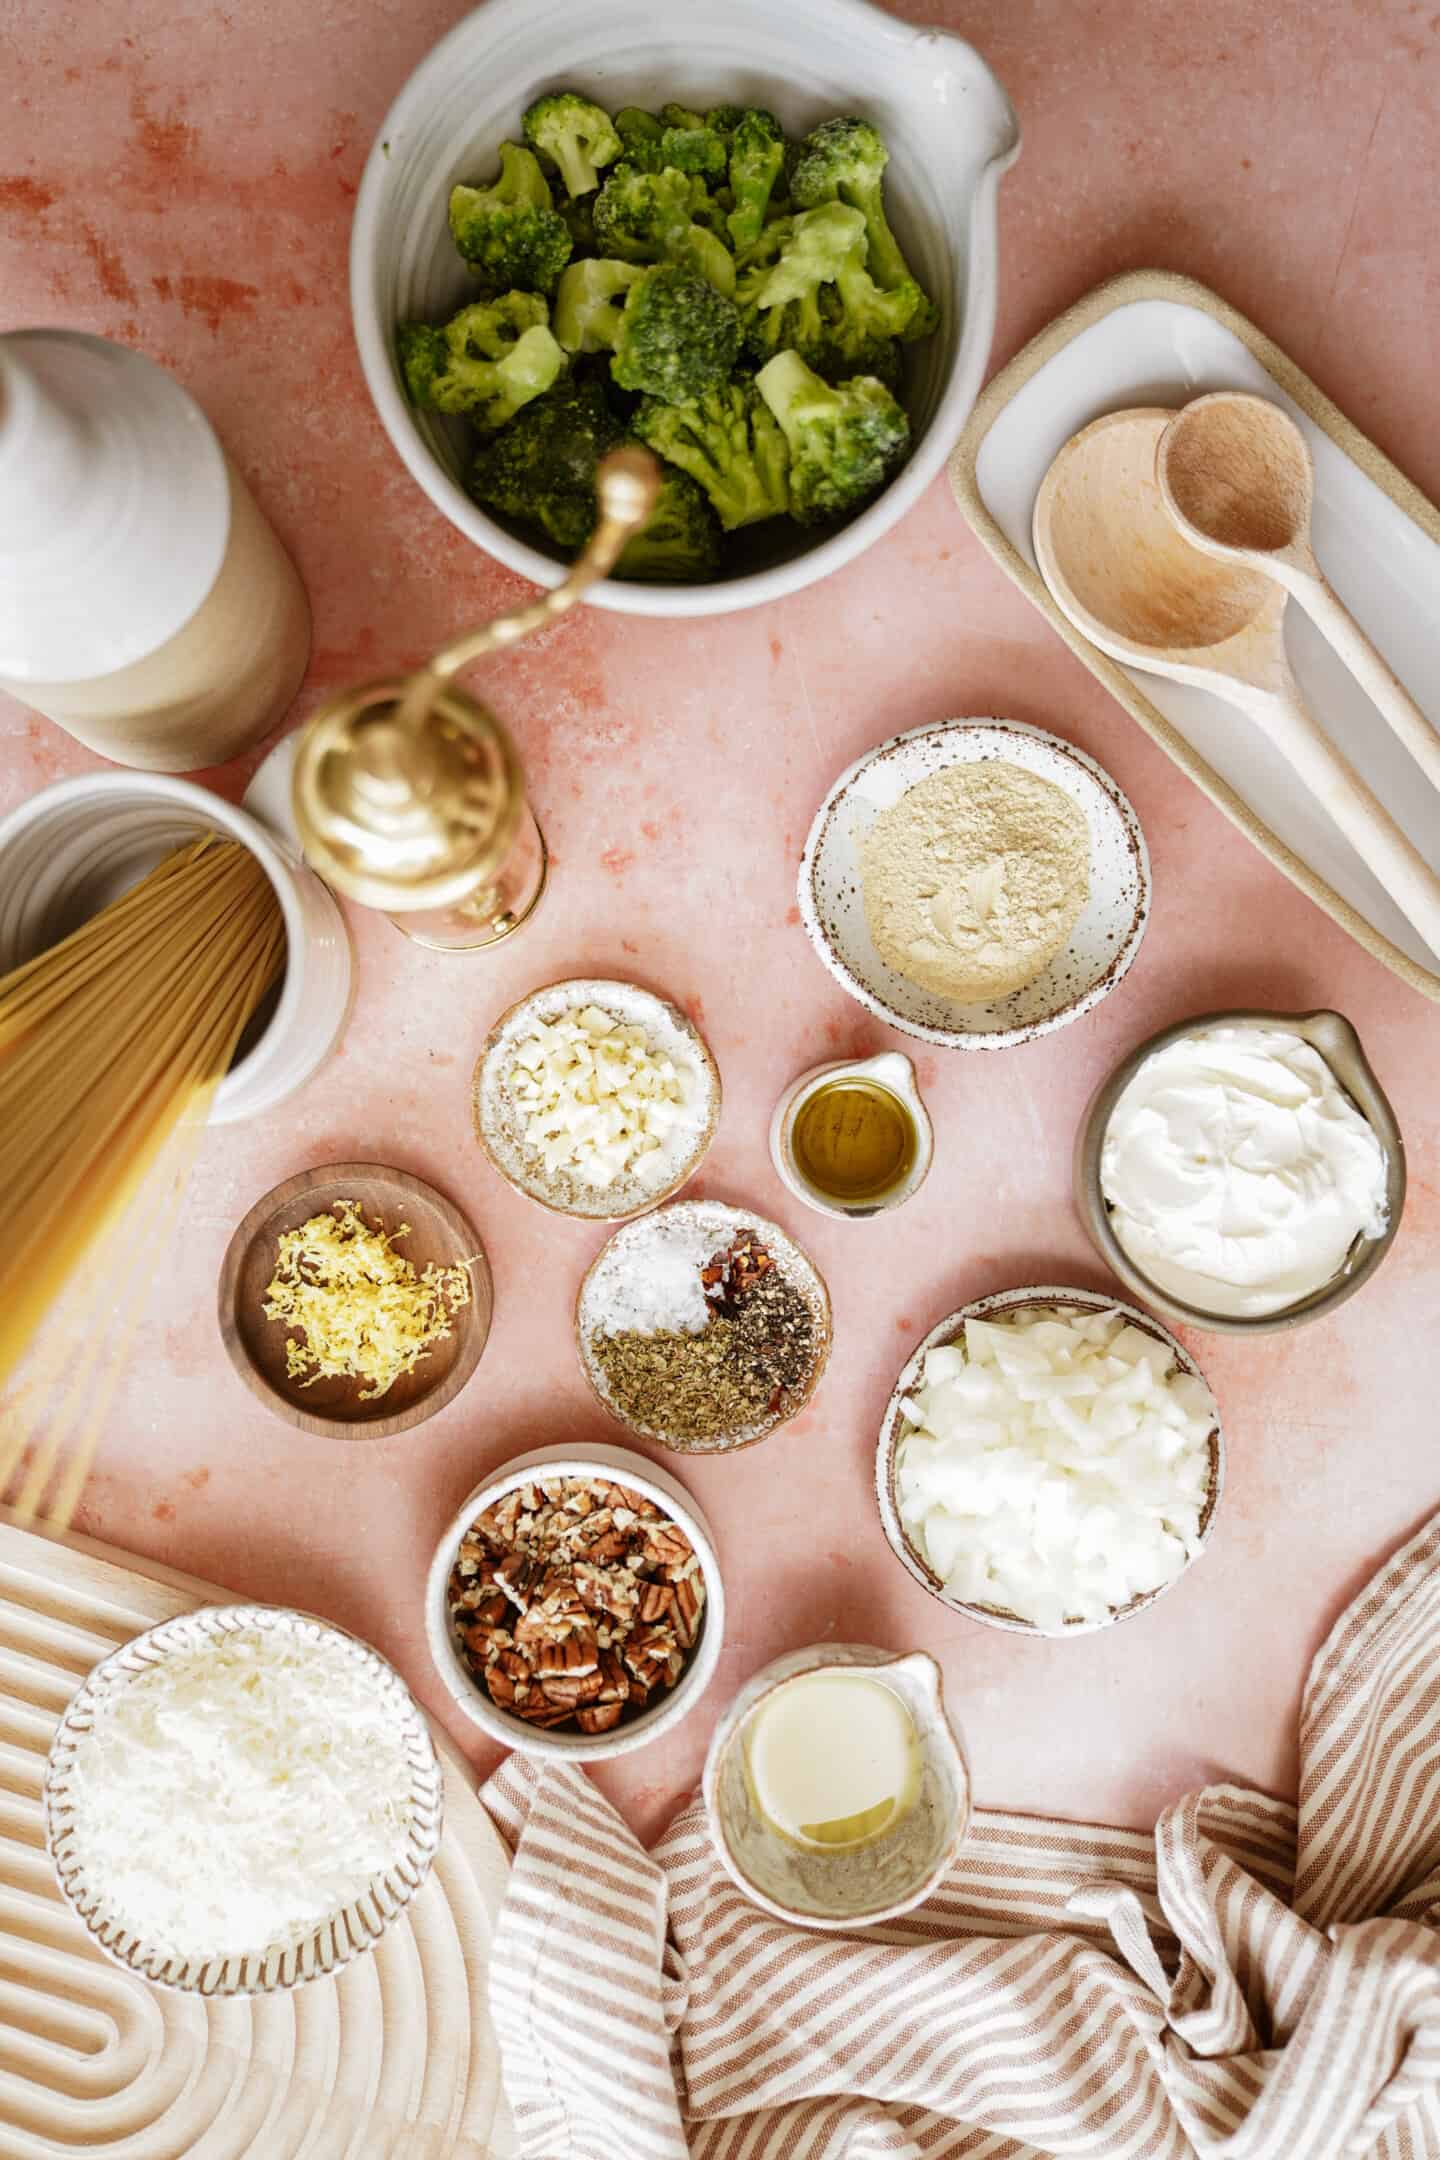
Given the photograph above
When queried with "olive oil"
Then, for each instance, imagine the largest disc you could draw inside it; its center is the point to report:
(854, 1141)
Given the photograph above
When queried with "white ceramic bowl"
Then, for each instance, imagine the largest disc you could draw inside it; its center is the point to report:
(1101, 947)
(950, 1330)
(336, 1941)
(500, 1122)
(540, 1466)
(951, 133)
(70, 850)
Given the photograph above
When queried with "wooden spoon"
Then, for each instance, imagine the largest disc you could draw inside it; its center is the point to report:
(1237, 478)
(1119, 567)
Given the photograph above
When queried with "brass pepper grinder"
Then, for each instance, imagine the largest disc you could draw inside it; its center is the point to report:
(409, 794)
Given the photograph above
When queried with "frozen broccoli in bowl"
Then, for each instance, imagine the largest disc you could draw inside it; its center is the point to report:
(691, 277)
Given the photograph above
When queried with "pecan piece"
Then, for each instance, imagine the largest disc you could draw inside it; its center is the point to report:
(657, 1602)
(689, 1603)
(666, 1547)
(598, 1717)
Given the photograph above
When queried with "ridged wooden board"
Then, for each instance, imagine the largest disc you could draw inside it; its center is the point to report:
(394, 2059)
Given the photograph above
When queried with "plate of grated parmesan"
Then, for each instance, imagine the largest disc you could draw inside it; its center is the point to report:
(241, 1799)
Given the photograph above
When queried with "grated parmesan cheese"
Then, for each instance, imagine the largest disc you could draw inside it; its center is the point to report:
(236, 1796)
(364, 1312)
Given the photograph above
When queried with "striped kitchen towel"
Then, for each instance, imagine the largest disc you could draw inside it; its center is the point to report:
(1255, 1982)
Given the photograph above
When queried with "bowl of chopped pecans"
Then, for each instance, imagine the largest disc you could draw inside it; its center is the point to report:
(574, 1605)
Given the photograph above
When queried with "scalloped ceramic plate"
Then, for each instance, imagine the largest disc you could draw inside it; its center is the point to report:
(1101, 947)
(947, 1331)
(356, 1928)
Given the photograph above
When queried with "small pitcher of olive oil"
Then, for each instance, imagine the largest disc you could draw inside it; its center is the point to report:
(853, 1138)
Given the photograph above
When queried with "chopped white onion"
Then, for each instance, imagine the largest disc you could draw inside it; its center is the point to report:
(1056, 1465)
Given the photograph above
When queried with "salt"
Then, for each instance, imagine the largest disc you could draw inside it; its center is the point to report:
(648, 1282)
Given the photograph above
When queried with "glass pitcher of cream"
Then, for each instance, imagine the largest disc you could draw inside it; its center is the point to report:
(853, 1137)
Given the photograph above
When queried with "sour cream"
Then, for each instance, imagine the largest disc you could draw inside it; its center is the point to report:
(1237, 1171)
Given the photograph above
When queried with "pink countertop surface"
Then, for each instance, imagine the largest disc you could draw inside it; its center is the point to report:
(181, 177)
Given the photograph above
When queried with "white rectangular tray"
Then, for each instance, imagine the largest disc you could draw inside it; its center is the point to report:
(1152, 338)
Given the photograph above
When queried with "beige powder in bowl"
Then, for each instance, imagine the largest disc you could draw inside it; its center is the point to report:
(975, 878)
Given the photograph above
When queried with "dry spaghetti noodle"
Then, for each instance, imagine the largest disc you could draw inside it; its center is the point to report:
(111, 1047)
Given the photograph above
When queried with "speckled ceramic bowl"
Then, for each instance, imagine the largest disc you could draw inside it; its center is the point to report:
(1101, 947)
(863, 1885)
(326, 1948)
(500, 1120)
(720, 1222)
(892, 1430)
(1337, 1042)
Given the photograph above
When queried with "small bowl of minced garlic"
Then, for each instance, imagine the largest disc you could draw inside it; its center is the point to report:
(977, 883)
(597, 1098)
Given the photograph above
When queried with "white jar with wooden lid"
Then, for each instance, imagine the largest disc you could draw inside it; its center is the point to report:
(145, 604)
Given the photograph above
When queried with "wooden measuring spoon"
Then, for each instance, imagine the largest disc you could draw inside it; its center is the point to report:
(1237, 478)
(1119, 567)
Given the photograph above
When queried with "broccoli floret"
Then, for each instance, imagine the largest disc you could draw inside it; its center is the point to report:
(844, 161)
(757, 159)
(869, 311)
(725, 118)
(486, 362)
(679, 541)
(509, 233)
(648, 217)
(577, 134)
(540, 470)
(677, 337)
(642, 136)
(680, 116)
(589, 302)
(845, 439)
(730, 443)
(695, 150)
(779, 289)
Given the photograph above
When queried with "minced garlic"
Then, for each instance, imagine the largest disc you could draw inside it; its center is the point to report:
(598, 1099)
(363, 1311)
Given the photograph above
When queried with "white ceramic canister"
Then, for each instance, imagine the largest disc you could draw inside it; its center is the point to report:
(145, 604)
(74, 847)
(889, 1069)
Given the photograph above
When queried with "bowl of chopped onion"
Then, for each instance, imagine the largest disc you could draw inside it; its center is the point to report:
(1050, 1461)
(597, 1098)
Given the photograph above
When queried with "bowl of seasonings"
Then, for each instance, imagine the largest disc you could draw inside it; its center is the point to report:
(703, 1327)
(596, 1098)
(241, 1799)
(575, 1606)
(355, 1301)
(1243, 1171)
(1050, 1461)
(977, 883)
